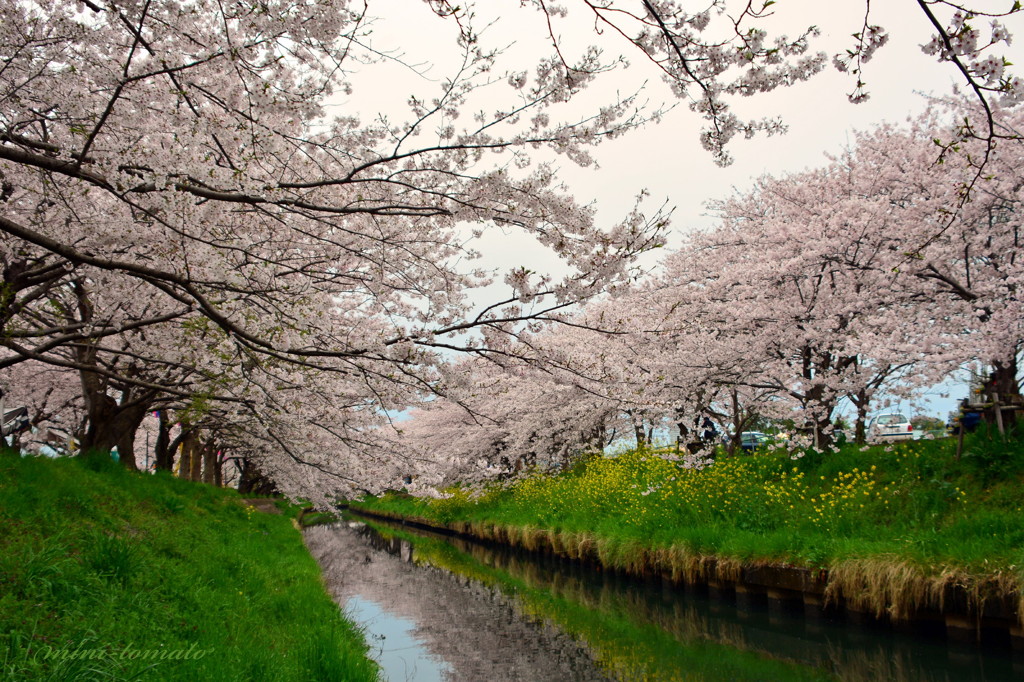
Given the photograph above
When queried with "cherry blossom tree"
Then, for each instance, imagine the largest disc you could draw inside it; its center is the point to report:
(962, 263)
(720, 50)
(186, 220)
(811, 310)
(183, 153)
(53, 398)
(839, 280)
(839, 283)
(501, 417)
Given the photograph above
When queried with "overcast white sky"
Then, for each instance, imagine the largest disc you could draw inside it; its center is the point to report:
(667, 158)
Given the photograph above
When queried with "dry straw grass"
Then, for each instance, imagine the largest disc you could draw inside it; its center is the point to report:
(883, 586)
(676, 563)
(886, 586)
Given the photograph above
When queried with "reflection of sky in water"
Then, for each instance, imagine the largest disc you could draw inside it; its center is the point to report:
(401, 656)
(642, 630)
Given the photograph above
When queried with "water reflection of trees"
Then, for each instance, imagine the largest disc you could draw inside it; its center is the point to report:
(851, 654)
(461, 622)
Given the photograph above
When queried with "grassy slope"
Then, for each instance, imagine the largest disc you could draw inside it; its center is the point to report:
(122, 567)
(911, 504)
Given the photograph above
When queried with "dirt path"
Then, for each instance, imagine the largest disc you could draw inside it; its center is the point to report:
(262, 504)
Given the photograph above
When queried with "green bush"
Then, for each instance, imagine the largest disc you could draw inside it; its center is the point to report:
(994, 457)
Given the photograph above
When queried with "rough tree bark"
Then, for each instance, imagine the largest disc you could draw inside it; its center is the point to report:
(218, 475)
(638, 430)
(164, 453)
(253, 482)
(196, 460)
(860, 430)
(210, 462)
(187, 451)
(110, 421)
(1004, 382)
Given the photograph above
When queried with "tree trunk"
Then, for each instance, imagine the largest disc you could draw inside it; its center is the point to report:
(130, 418)
(210, 462)
(1004, 377)
(820, 404)
(684, 431)
(600, 433)
(823, 436)
(253, 482)
(860, 428)
(218, 469)
(103, 428)
(638, 433)
(739, 423)
(164, 453)
(196, 460)
(110, 425)
(638, 430)
(187, 451)
(1004, 383)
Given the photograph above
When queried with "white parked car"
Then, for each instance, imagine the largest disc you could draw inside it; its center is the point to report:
(889, 427)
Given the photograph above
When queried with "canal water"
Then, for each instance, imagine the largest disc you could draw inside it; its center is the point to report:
(435, 607)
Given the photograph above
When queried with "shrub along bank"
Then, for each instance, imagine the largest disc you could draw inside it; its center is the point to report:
(107, 574)
(891, 524)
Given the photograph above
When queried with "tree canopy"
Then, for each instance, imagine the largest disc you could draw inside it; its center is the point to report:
(188, 223)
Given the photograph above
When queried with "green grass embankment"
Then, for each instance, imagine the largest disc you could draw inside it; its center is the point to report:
(106, 574)
(892, 525)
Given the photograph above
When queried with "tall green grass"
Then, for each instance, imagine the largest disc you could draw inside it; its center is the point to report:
(912, 501)
(112, 575)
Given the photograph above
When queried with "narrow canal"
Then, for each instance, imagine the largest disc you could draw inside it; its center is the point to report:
(441, 608)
